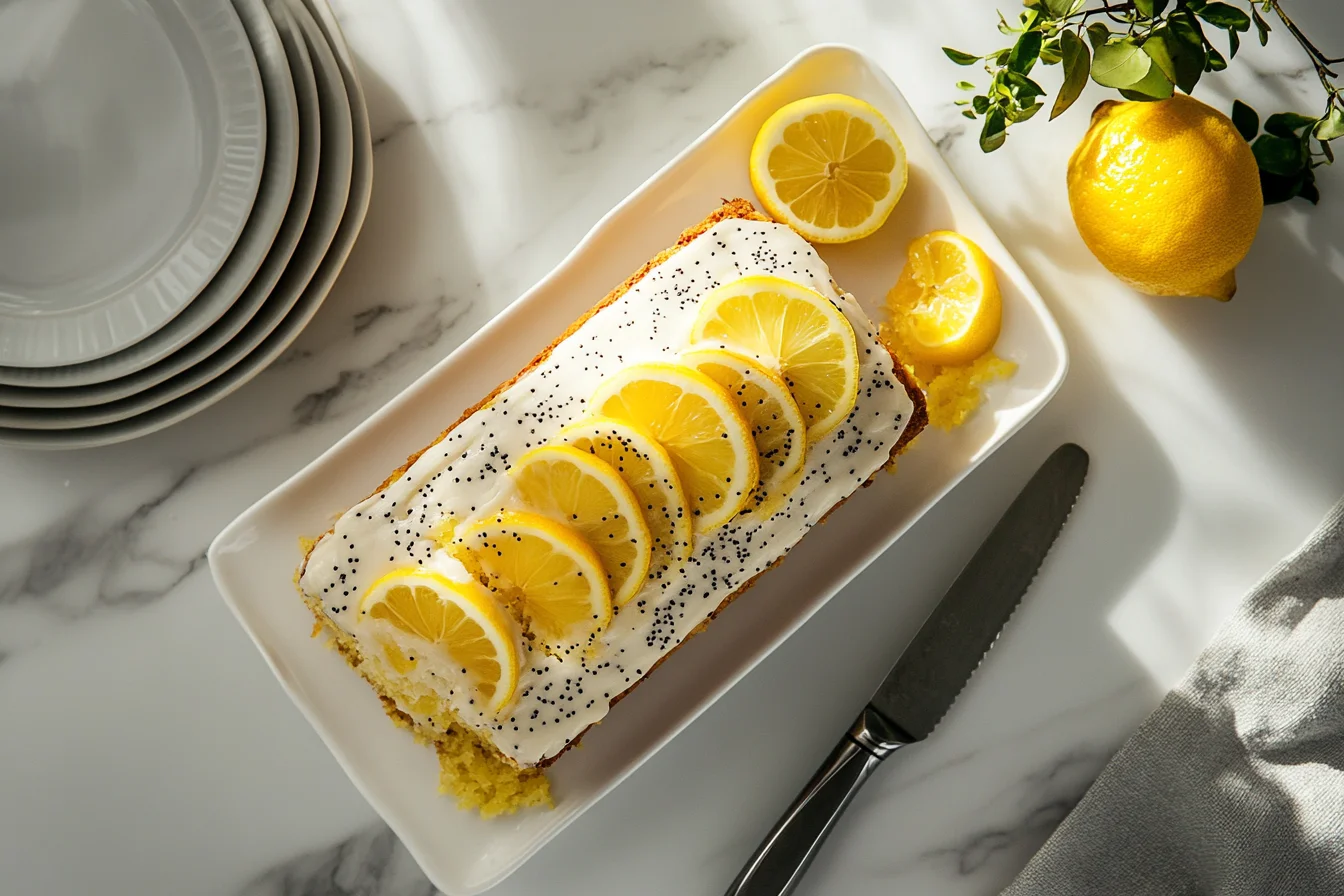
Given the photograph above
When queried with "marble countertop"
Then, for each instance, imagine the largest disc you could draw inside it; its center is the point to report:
(145, 748)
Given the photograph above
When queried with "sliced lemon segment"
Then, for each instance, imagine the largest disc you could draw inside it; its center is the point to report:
(798, 331)
(830, 167)
(555, 575)
(698, 423)
(777, 426)
(585, 493)
(946, 307)
(647, 468)
(460, 619)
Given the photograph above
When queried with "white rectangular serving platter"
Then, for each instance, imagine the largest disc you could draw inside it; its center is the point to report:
(253, 560)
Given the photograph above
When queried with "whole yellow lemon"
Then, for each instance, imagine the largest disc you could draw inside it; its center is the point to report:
(1166, 195)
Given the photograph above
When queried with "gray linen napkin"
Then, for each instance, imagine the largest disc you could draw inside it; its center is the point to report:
(1235, 785)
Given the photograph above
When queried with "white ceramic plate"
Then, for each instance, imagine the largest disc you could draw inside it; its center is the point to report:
(247, 275)
(132, 137)
(338, 213)
(254, 559)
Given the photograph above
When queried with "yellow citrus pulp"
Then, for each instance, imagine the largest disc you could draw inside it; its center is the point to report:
(795, 330)
(586, 494)
(553, 573)
(460, 619)
(777, 426)
(946, 307)
(696, 421)
(830, 167)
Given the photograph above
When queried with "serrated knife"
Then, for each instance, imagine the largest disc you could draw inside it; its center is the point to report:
(929, 675)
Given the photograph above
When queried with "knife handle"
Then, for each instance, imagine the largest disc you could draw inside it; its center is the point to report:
(779, 862)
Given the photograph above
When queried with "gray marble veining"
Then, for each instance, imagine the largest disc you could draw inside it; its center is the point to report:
(147, 748)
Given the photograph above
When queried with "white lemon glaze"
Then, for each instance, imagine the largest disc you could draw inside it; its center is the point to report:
(559, 696)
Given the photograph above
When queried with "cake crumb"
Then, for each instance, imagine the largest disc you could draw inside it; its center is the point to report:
(479, 779)
(954, 393)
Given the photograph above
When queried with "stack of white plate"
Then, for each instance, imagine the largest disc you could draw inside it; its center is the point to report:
(180, 183)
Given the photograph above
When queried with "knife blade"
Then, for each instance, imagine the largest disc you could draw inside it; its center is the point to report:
(930, 673)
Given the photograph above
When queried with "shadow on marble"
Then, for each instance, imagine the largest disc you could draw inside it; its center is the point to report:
(1289, 305)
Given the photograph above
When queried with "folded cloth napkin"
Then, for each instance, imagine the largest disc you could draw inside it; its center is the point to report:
(1235, 785)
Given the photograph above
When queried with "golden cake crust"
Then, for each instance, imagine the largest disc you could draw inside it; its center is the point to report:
(731, 208)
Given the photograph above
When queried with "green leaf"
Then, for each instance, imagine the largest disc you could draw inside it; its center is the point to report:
(1097, 34)
(1287, 124)
(1122, 64)
(1059, 8)
(1223, 15)
(959, 57)
(1159, 6)
(1215, 62)
(1001, 57)
(980, 104)
(1022, 113)
(1181, 61)
(1050, 54)
(1022, 88)
(1233, 43)
(965, 85)
(1261, 26)
(1183, 42)
(1247, 122)
(1332, 125)
(1275, 188)
(968, 114)
(1309, 191)
(1279, 155)
(1154, 86)
(1077, 62)
(1328, 153)
(1025, 52)
(995, 130)
(1144, 8)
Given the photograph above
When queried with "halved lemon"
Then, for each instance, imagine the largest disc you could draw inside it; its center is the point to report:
(777, 426)
(461, 619)
(586, 494)
(554, 573)
(946, 307)
(697, 422)
(830, 167)
(647, 468)
(798, 331)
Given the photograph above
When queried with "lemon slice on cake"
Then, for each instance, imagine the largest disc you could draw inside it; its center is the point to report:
(555, 575)
(830, 167)
(647, 468)
(777, 426)
(461, 619)
(798, 331)
(946, 307)
(697, 422)
(586, 494)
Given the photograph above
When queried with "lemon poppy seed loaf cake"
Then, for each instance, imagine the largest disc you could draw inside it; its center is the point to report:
(520, 575)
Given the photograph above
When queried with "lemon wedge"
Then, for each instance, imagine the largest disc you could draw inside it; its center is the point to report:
(830, 167)
(647, 468)
(697, 422)
(459, 618)
(798, 331)
(777, 426)
(586, 494)
(556, 576)
(945, 307)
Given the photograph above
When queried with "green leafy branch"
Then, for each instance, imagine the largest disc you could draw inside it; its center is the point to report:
(1147, 50)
